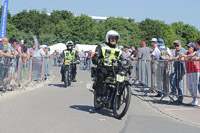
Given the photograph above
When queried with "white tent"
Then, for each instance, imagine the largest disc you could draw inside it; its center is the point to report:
(59, 47)
(85, 47)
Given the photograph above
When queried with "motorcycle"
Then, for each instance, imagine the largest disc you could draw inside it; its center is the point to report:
(68, 73)
(116, 90)
(68, 68)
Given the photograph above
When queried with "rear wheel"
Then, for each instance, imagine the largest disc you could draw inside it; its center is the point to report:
(121, 103)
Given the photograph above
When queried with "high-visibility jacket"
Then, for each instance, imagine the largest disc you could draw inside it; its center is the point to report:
(109, 54)
(69, 55)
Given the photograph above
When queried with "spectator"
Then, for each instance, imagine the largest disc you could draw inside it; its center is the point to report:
(144, 52)
(133, 53)
(176, 78)
(59, 59)
(159, 46)
(81, 55)
(197, 57)
(32, 50)
(85, 59)
(55, 57)
(9, 66)
(155, 54)
(88, 60)
(144, 55)
(192, 68)
(37, 61)
(25, 50)
(127, 53)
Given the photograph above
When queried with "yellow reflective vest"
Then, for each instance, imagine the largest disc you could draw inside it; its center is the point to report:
(110, 53)
(69, 56)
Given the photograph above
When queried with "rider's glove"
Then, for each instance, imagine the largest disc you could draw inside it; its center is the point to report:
(101, 62)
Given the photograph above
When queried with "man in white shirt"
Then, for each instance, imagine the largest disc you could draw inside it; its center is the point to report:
(37, 62)
(41, 51)
(156, 54)
(158, 46)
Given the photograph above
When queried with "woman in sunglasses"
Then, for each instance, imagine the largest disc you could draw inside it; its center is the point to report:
(192, 68)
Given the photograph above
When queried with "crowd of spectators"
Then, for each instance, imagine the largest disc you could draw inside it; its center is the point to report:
(85, 59)
(182, 62)
(10, 52)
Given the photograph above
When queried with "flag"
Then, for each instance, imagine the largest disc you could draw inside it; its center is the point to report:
(4, 19)
(36, 42)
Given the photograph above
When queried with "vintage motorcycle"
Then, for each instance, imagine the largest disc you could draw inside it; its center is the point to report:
(117, 92)
(68, 73)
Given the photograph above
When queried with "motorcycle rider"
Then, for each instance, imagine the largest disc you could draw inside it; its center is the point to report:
(72, 55)
(104, 54)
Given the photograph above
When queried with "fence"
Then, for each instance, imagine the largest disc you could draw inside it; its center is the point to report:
(17, 73)
(172, 79)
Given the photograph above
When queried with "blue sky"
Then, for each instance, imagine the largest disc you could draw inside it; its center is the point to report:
(169, 11)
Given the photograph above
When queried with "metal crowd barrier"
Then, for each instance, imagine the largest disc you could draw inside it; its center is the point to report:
(19, 72)
(160, 76)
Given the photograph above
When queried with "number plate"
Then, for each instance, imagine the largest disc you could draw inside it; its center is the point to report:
(120, 78)
(67, 62)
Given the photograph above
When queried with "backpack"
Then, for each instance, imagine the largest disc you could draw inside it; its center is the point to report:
(164, 55)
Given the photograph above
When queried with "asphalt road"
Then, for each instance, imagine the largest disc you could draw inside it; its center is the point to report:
(56, 109)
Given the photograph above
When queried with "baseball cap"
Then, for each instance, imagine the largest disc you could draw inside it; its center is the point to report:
(191, 45)
(177, 42)
(153, 40)
(160, 42)
(43, 46)
(143, 43)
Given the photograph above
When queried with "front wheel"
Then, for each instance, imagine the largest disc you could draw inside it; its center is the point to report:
(121, 103)
(69, 78)
(66, 81)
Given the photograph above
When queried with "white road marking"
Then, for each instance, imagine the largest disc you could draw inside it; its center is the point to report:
(101, 120)
(89, 86)
(179, 109)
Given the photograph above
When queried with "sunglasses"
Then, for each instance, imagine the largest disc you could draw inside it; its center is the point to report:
(176, 45)
(113, 38)
(189, 46)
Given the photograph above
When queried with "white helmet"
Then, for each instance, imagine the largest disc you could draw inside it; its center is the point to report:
(110, 34)
(69, 43)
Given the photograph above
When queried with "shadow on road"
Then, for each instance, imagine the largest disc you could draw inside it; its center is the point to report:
(57, 85)
(91, 110)
(155, 100)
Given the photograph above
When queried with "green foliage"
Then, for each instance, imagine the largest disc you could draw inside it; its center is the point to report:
(62, 26)
(189, 33)
(47, 39)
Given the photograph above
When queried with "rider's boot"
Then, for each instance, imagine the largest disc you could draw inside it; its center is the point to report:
(63, 78)
(74, 78)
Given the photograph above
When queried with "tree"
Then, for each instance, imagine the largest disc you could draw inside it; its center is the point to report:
(57, 16)
(189, 33)
(47, 39)
(30, 21)
(152, 28)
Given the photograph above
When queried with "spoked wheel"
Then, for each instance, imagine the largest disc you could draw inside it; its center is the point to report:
(97, 106)
(66, 79)
(69, 79)
(121, 103)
